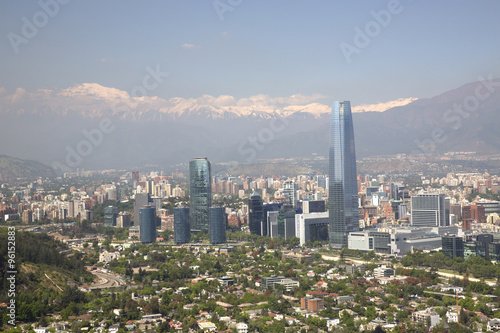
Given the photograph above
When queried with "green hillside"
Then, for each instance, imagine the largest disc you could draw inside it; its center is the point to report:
(45, 276)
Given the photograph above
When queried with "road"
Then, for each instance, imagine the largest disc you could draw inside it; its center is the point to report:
(443, 274)
(107, 280)
(357, 261)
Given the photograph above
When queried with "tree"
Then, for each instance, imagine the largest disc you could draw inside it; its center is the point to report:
(370, 313)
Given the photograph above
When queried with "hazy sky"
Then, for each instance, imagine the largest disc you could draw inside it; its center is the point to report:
(250, 47)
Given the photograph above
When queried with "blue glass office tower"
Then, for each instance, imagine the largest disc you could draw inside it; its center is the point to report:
(200, 194)
(342, 185)
(218, 222)
(148, 224)
(255, 214)
(182, 232)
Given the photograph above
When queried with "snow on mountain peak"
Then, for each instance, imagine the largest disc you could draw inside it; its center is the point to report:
(94, 100)
(94, 90)
(381, 107)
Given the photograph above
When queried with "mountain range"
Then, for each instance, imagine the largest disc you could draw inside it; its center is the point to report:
(90, 126)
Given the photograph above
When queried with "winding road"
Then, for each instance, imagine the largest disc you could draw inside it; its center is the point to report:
(107, 280)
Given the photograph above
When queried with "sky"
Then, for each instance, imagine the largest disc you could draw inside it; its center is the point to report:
(362, 51)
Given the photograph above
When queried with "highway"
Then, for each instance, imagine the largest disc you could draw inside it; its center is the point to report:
(107, 280)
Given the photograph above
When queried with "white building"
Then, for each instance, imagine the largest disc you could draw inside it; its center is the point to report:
(242, 328)
(493, 325)
(422, 316)
(312, 227)
(452, 314)
(383, 271)
(207, 326)
(109, 256)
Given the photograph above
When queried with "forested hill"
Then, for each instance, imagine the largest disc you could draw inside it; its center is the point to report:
(44, 274)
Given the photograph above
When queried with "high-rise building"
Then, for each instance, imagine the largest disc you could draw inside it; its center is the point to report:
(149, 186)
(123, 220)
(156, 202)
(141, 200)
(290, 192)
(110, 215)
(71, 209)
(200, 194)
(182, 231)
(217, 234)
(286, 222)
(28, 216)
(429, 210)
(256, 214)
(321, 181)
(135, 178)
(343, 186)
(313, 206)
(148, 224)
(453, 246)
(271, 219)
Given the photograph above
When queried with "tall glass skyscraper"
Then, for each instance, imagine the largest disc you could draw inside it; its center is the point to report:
(148, 224)
(342, 186)
(200, 194)
(182, 232)
(255, 214)
(218, 221)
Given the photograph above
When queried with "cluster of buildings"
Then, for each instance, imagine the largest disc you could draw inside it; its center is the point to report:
(346, 209)
(201, 216)
(33, 204)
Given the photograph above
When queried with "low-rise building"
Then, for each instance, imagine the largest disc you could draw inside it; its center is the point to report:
(242, 328)
(311, 304)
(226, 281)
(493, 325)
(383, 271)
(271, 281)
(427, 316)
(109, 256)
(453, 314)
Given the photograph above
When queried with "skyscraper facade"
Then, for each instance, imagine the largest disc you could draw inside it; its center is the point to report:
(217, 234)
(182, 231)
(430, 210)
(286, 222)
(110, 215)
(290, 192)
(342, 183)
(135, 178)
(141, 200)
(255, 214)
(200, 194)
(148, 224)
(270, 219)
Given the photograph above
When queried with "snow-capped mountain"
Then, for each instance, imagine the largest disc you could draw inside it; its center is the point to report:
(92, 126)
(91, 100)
